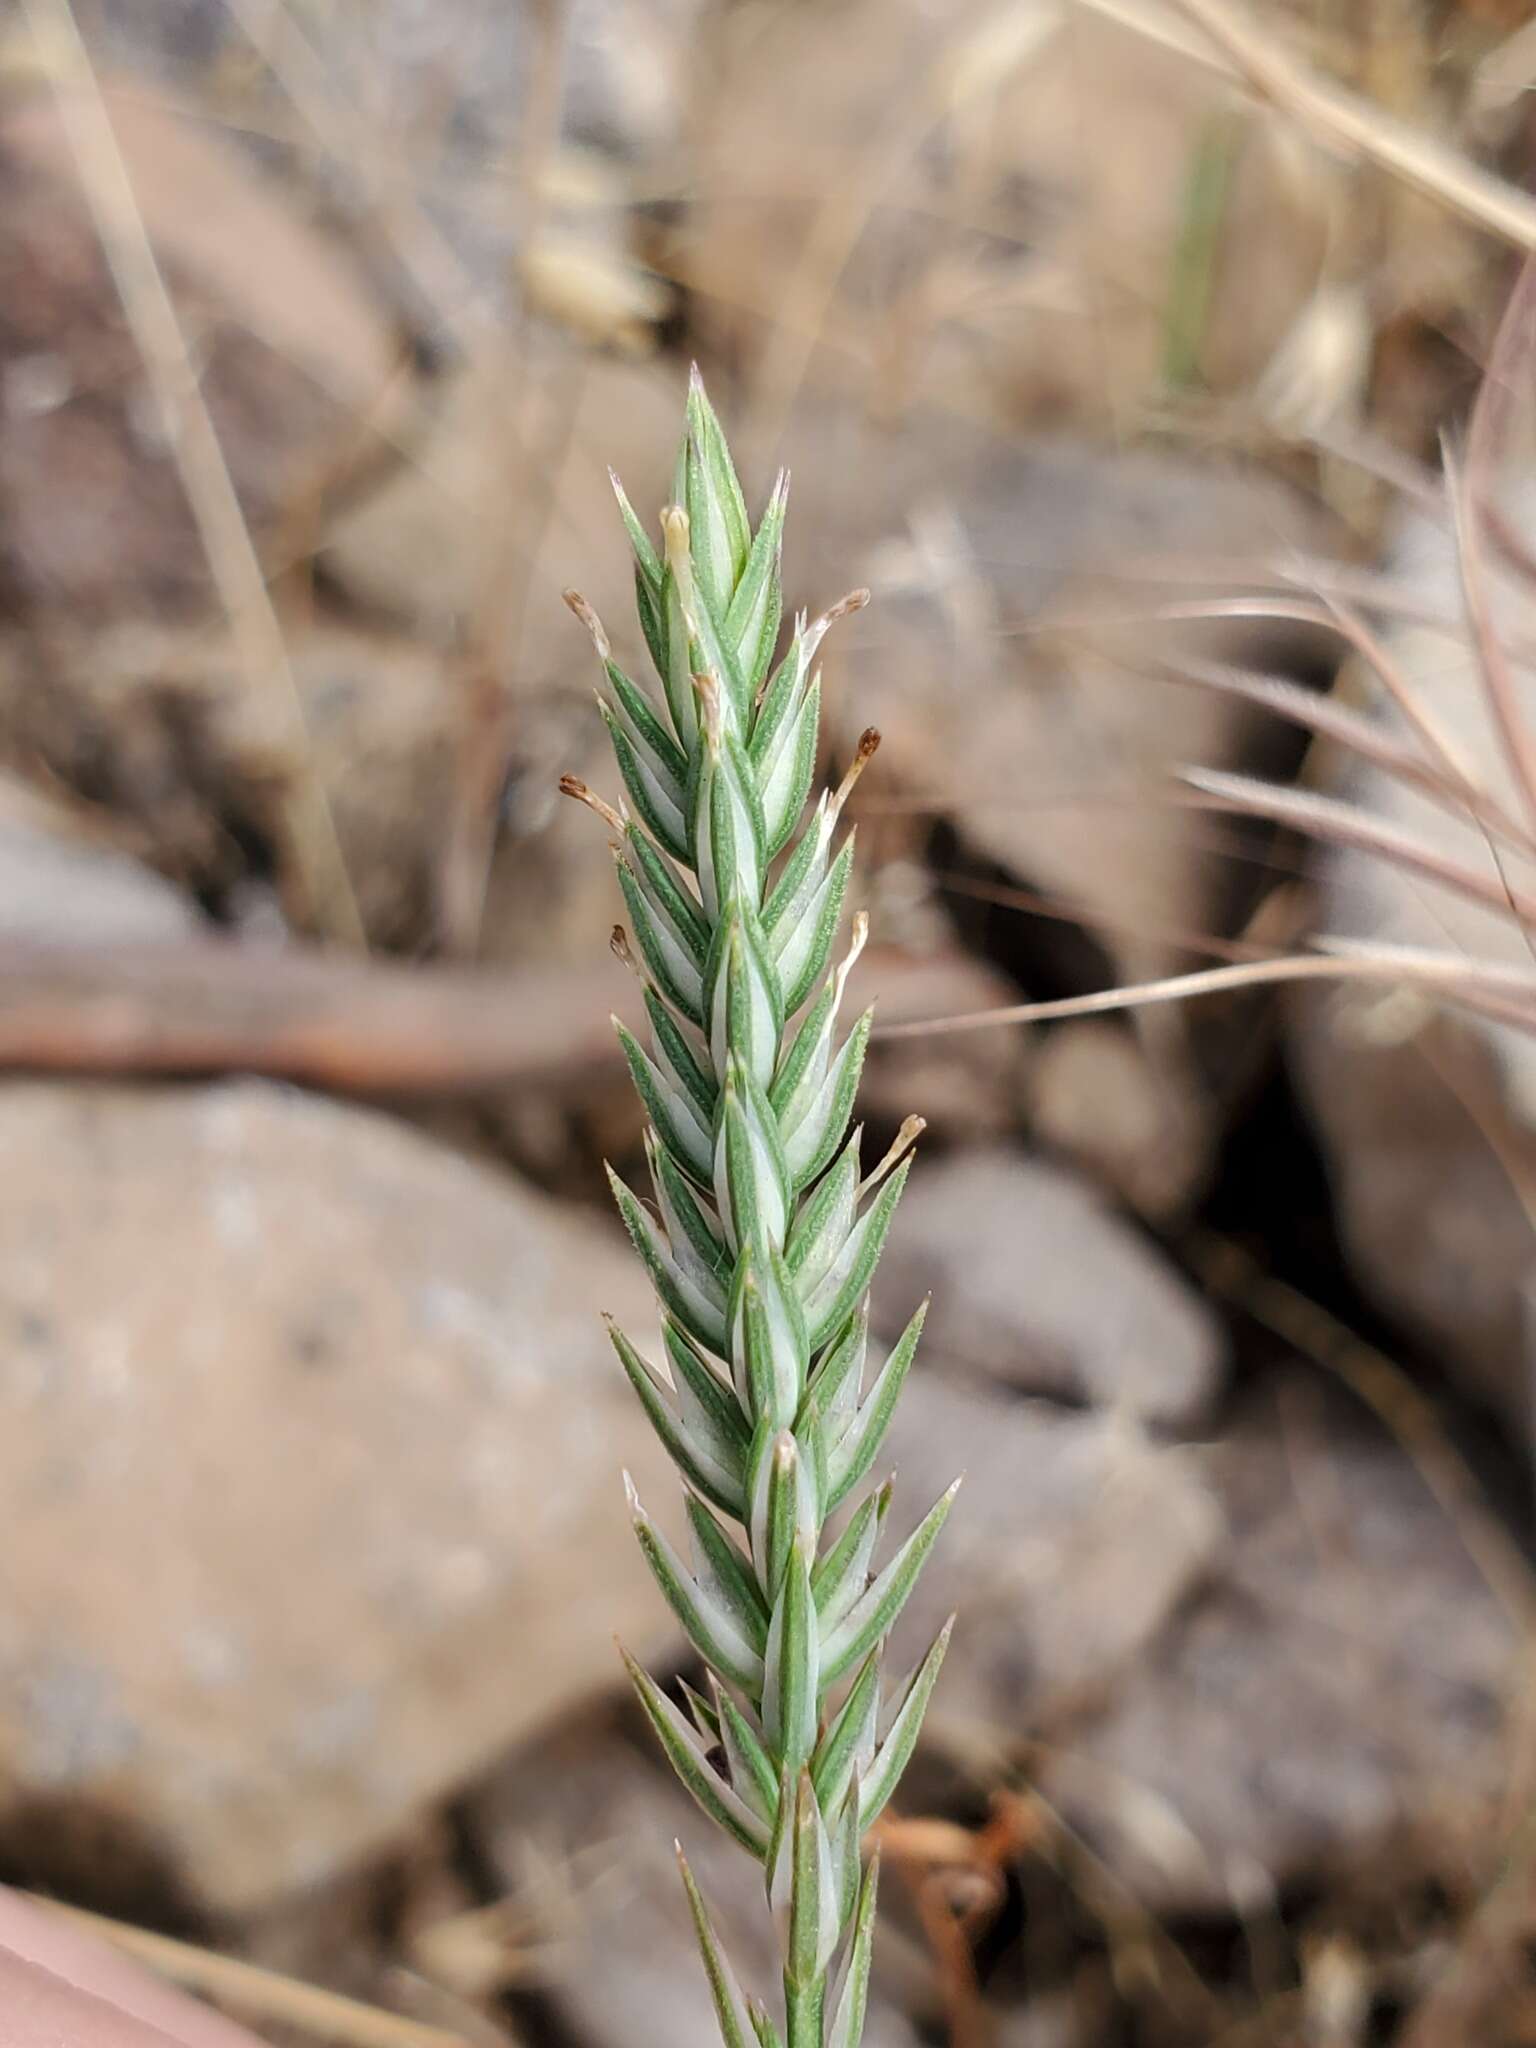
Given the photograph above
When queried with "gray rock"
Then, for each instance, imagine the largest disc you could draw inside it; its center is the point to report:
(330, 1414)
(975, 663)
(1070, 1543)
(60, 888)
(1037, 1283)
(158, 721)
(1427, 1154)
(424, 546)
(1344, 1675)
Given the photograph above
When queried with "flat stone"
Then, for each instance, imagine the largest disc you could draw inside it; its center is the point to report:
(1343, 1676)
(1072, 1540)
(1037, 1283)
(59, 887)
(331, 1414)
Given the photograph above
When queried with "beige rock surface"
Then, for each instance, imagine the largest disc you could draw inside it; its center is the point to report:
(1070, 1544)
(1345, 1676)
(311, 1446)
(1039, 1285)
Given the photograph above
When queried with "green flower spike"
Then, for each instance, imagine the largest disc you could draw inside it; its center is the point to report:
(762, 1244)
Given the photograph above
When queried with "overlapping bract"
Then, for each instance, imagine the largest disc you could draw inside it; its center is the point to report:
(762, 1244)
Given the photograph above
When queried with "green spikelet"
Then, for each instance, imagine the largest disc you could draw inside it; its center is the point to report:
(763, 1242)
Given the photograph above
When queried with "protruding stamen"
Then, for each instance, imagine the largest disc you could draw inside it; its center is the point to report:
(911, 1130)
(675, 536)
(855, 601)
(619, 947)
(869, 741)
(811, 636)
(572, 785)
(858, 940)
(707, 684)
(594, 625)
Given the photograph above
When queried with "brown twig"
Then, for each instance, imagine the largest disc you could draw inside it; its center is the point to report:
(328, 1021)
(958, 1881)
(298, 1014)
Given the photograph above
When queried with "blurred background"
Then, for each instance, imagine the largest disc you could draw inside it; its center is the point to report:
(1113, 344)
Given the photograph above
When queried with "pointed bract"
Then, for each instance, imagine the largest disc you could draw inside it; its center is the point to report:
(689, 1759)
(847, 2029)
(874, 1614)
(736, 2029)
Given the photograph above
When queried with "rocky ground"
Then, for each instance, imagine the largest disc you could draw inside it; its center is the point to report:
(309, 1439)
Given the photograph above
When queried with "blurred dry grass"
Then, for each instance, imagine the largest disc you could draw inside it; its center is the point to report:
(1280, 235)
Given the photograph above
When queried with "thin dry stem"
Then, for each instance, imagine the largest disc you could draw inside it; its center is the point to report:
(573, 786)
(1331, 720)
(1346, 824)
(1449, 978)
(1498, 679)
(195, 448)
(257, 1994)
(1334, 615)
(1343, 120)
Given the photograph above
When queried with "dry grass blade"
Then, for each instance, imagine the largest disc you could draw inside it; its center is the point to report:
(1336, 617)
(1475, 985)
(457, 305)
(261, 1996)
(232, 559)
(1514, 349)
(803, 301)
(1347, 122)
(1345, 824)
(486, 712)
(1332, 588)
(463, 314)
(1331, 720)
